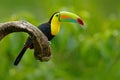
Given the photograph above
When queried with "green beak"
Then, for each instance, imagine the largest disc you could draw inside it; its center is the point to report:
(70, 17)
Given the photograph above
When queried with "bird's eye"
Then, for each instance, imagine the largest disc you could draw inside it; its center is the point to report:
(57, 15)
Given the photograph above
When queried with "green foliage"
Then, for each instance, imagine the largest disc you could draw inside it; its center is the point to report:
(77, 54)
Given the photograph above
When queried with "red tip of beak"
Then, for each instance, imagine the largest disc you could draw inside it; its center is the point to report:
(80, 21)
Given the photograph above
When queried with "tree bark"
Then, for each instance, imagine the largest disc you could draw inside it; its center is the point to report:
(40, 41)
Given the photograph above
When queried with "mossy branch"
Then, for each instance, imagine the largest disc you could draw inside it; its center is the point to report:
(40, 41)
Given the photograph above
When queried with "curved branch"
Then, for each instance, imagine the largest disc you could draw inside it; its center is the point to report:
(40, 41)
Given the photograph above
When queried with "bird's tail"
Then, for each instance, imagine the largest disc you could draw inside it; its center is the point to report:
(20, 55)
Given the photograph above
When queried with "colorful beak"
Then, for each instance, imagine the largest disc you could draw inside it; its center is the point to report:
(70, 17)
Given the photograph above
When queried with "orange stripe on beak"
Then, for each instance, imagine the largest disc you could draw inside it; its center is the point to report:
(64, 16)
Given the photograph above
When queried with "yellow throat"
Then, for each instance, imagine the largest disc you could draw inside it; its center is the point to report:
(55, 25)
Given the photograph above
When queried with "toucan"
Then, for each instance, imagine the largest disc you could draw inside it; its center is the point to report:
(51, 29)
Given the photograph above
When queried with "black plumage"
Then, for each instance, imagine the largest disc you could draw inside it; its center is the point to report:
(46, 29)
(51, 27)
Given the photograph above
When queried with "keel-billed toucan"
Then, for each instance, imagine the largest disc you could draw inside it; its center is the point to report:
(51, 29)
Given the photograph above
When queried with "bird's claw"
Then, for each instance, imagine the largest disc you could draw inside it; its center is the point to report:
(49, 42)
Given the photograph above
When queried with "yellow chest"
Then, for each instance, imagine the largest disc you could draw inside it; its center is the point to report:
(55, 26)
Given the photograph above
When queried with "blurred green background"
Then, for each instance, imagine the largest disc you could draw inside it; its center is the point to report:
(77, 54)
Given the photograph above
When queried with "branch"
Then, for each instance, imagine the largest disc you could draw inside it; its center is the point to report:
(40, 41)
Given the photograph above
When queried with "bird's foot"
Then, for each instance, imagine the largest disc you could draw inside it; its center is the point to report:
(49, 42)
